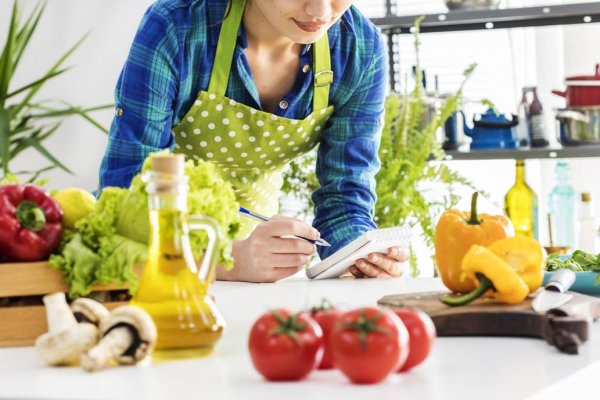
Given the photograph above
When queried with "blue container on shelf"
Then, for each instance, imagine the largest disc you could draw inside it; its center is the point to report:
(493, 131)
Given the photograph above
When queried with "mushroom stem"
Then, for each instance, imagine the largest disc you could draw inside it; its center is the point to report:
(58, 313)
(112, 345)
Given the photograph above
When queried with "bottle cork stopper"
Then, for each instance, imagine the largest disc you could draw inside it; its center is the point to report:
(168, 163)
(586, 197)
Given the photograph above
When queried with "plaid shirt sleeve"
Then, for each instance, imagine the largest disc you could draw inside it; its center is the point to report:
(348, 153)
(144, 97)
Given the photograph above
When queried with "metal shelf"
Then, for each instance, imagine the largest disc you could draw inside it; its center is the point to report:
(495, 19)
(526, 153)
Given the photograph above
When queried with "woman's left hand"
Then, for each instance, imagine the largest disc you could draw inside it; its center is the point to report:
(380, 265)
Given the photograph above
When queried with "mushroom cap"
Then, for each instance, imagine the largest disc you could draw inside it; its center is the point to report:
(88, 310)
(142, 327)
(65, 347)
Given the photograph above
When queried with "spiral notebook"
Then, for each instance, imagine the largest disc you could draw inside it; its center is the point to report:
(379, 240)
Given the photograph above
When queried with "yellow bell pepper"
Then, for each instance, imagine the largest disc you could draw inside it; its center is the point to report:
(509, 269)
(456, 232)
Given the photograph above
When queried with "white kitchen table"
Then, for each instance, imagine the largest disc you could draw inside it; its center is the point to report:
(458, 368)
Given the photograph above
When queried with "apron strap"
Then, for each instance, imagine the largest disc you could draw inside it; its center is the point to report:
(323, 74)
(219, 77)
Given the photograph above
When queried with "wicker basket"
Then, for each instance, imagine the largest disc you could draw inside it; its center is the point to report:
(22, 314)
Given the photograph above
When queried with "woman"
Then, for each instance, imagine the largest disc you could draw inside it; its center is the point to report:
(250, 86)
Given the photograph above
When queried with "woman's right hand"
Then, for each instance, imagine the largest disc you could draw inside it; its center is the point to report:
(267, 256)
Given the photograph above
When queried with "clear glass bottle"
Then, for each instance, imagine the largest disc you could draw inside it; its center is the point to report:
(523, 114)
(561, 205)
(172, 288)
(521, 205)
(587, 225)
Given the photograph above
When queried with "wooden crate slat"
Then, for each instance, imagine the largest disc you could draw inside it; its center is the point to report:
(31, 279)
(20, 326)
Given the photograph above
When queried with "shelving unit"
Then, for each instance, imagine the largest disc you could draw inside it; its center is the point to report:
(467, 20)
(460, 20)
(526, 153)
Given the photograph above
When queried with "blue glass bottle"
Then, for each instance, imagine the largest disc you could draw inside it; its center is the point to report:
(561, 205)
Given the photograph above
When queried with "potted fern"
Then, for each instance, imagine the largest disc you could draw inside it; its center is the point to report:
(25, 122)
(410, 161)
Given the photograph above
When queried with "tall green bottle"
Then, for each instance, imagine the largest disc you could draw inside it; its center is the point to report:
(521, 205)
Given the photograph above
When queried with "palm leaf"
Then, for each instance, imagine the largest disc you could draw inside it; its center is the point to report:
(36, 144)
(27, 31)
(6, 59)
(4, 139)
(52, 70)
(37, 82)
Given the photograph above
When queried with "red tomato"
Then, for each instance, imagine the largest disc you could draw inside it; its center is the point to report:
(285, 346)
(422, 335)
(368, 344)
(326, 316)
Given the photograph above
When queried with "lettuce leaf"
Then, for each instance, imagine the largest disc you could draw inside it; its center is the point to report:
(78, 264)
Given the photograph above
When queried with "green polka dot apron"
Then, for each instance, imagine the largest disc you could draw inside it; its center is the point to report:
(252, 148)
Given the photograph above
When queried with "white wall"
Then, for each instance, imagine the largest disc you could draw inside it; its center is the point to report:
(91, 81)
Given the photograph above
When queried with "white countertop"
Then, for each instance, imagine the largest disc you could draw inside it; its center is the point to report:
(458, 368)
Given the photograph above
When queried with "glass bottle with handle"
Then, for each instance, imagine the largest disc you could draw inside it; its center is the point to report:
(521, 205)
(173, 288)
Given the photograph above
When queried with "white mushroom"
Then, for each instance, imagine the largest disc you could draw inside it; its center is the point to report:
(66, 339)
(128, 336)
(88, 310)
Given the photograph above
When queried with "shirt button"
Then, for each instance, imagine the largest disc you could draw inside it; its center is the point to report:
(306, 68)
(119, 112)
(283, 104)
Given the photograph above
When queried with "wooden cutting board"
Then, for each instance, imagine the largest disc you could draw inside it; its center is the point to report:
(565, 327)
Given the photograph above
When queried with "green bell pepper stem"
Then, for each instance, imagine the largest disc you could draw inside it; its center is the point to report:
(473, 220)
(484, 285)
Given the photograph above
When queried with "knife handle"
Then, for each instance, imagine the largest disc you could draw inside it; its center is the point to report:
(561, 280)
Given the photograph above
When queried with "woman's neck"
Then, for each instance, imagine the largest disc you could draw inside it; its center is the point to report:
(265, 38)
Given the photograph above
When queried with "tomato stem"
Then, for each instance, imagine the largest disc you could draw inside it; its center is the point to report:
(289, 326)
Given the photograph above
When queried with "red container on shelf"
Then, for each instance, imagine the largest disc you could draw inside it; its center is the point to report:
(582, 91)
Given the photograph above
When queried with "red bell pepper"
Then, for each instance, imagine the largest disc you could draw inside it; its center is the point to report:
(30, 223)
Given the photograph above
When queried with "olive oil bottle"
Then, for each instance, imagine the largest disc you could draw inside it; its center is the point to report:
(521, 205)
(172, 288)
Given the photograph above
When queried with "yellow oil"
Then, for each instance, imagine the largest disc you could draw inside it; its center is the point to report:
(520, 204)
(170, 290)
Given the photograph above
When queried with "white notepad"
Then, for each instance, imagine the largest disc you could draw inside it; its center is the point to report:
(379, 240)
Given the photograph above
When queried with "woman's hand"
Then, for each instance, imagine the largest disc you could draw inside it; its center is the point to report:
(267, 256)
(380, 265)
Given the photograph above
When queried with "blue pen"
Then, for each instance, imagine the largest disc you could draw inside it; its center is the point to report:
(258, 217)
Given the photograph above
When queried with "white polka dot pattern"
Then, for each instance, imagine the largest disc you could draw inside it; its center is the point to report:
(250, 147)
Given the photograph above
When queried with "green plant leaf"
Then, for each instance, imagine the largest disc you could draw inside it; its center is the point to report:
(37, 82)
(6, 59)
(26, 32)
(52, 70)
(36, 144)
(4, 140)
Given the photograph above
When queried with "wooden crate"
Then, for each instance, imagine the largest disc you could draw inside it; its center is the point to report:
(21, 325)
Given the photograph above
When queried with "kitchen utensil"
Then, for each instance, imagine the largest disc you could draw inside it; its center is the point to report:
(472, 4)
(553, 248)
(553, 295)
(579, 126)
(454, 135)
(582, 91)
(565, 327)
(493, 131)
(585, 282)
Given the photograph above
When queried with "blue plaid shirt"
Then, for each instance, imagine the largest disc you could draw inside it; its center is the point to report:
(170, 62)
